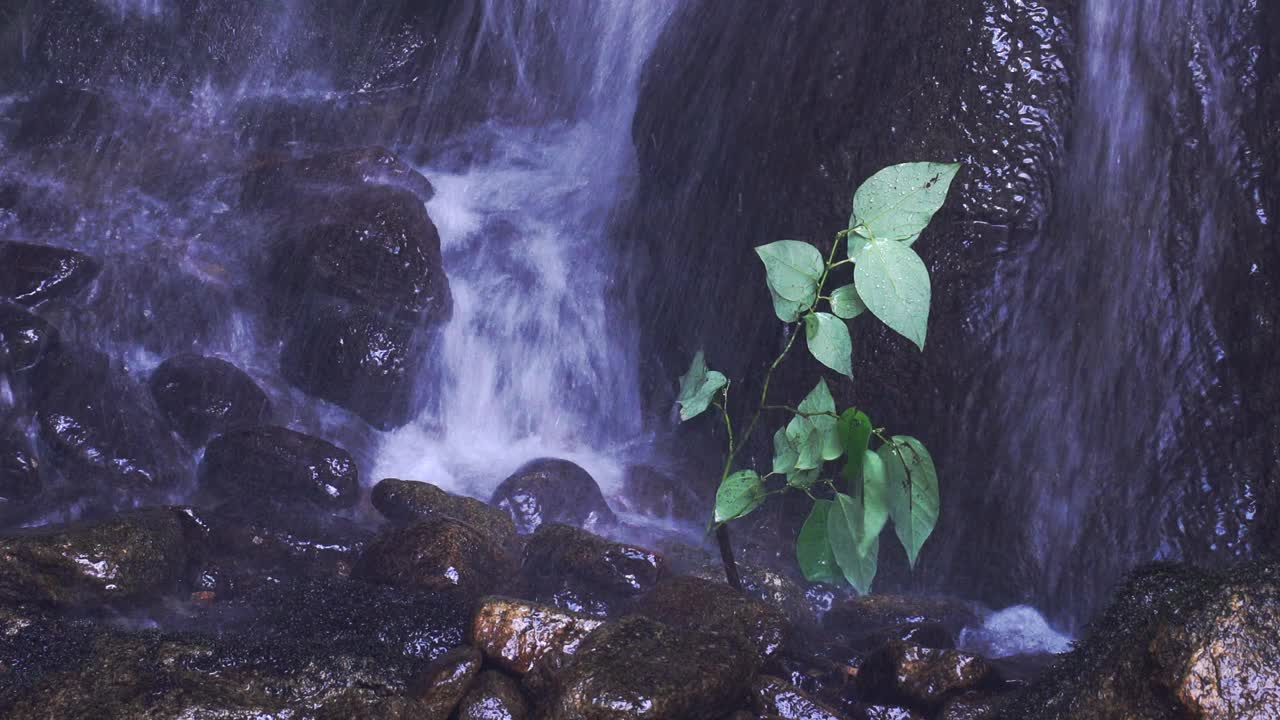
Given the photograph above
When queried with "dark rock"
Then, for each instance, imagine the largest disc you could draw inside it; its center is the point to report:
(376, 248)
(923, 634)
(576, 570)
(970, 706)
(204, 397)
(360, 359)
(870, 614)
(640, 668)
(20, 477)
(103, 431)
(768, 586)
(649, 491)
(552, 490)
(278, 465)
(921, 677)
(279, 180)
(516, 634)
(446, 681)
(494, 697)
(254, 539)
(436, 554)
(887, 712)
(24, 338)
(775, 697)
(32, 274)
(692, 603)
(134, 556)
(407, 502)
(1175, 642)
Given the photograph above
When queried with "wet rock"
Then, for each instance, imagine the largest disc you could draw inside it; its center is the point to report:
(1175, 642)
(922, 634)
(32, 274)
(204, 397)
(376, 249)
(887, 712)
(446, 681)
(20, 478)
(693, 603)
(640, 668)
(921, 677)
(407, 502)
(249, 540)
(436, 554)
(358, 358)
(579, 571)
(277, 465)
(552, 490)
(277, 180)
(134, 556)
(897, 614)
(768, 586)
(649, 491)
(102, 430)
(494, 697)
(970, 706)
(24, 338)
(773, 696)
(516, 634)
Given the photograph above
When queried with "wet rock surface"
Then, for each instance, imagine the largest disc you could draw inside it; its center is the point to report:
(640, 668)
(574, 569)
(277, 465)
(275, 181)
(24, 338)
(435, 554)
(552, 490)
(691, 603)
(921, 677)
(516, 634)
(444, 682)
(204, 397)
(132, 557)
(494, 697)
(32, 274)
(407, 502)
(20, 476)
(774, 697)
(252, 541)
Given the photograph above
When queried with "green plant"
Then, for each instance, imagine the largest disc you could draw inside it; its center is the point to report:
(897, 480)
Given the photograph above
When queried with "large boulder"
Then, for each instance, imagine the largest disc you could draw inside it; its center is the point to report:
(692, 603)
(639, 668)
(552, 490)
(435, 554)
(407, 502)
(249, 541)
(135, 556)
(31, 274)
(574, 569)
(277, 465)
(204, 397)
(1175, 642)
(516, 634)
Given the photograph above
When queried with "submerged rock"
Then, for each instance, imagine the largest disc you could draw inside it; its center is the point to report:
(516, 634)
(494, 697)
(32, 274)
(436, 554)
(277, 465)
(552, 490)
(444, 682)
(1175, 642)
(577, 570)
(640, 668)
(24, 338)
(133, 557)
(276, 181)
(204, 397)
(692, 603)
(407, 502)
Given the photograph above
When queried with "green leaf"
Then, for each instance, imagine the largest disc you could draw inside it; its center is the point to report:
(739, 494)
(813, 550)
(845, 302)
(784, 453)
(829, 342)
(844, 533)
(894, 283)
(802, 436)
(819, 400)
(803, 479)
(899, 201)
(854, 428)
(698, 387)
(912, 491)
(792, 270)
(875, 500)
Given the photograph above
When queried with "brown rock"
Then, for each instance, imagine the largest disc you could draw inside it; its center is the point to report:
(408, 502)
(877, 613)
(515, 634)
(921, 677)
(434, 555)
(775, 697)
(444, 682)
(694, 603)
(494, 697)
(577, 570)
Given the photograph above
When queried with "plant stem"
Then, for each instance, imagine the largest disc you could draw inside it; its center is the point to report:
(726, 557)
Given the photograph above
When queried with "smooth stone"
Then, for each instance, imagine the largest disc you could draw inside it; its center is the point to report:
(204, 397)
(25, 338)
(552, 490)
(435, 554)
(516, 634)
(276, 465)
(495, 696)
(31, 274)
(580, 571)
(407, 502)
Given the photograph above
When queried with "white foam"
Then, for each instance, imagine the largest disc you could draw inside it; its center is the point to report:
(1017, 630)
